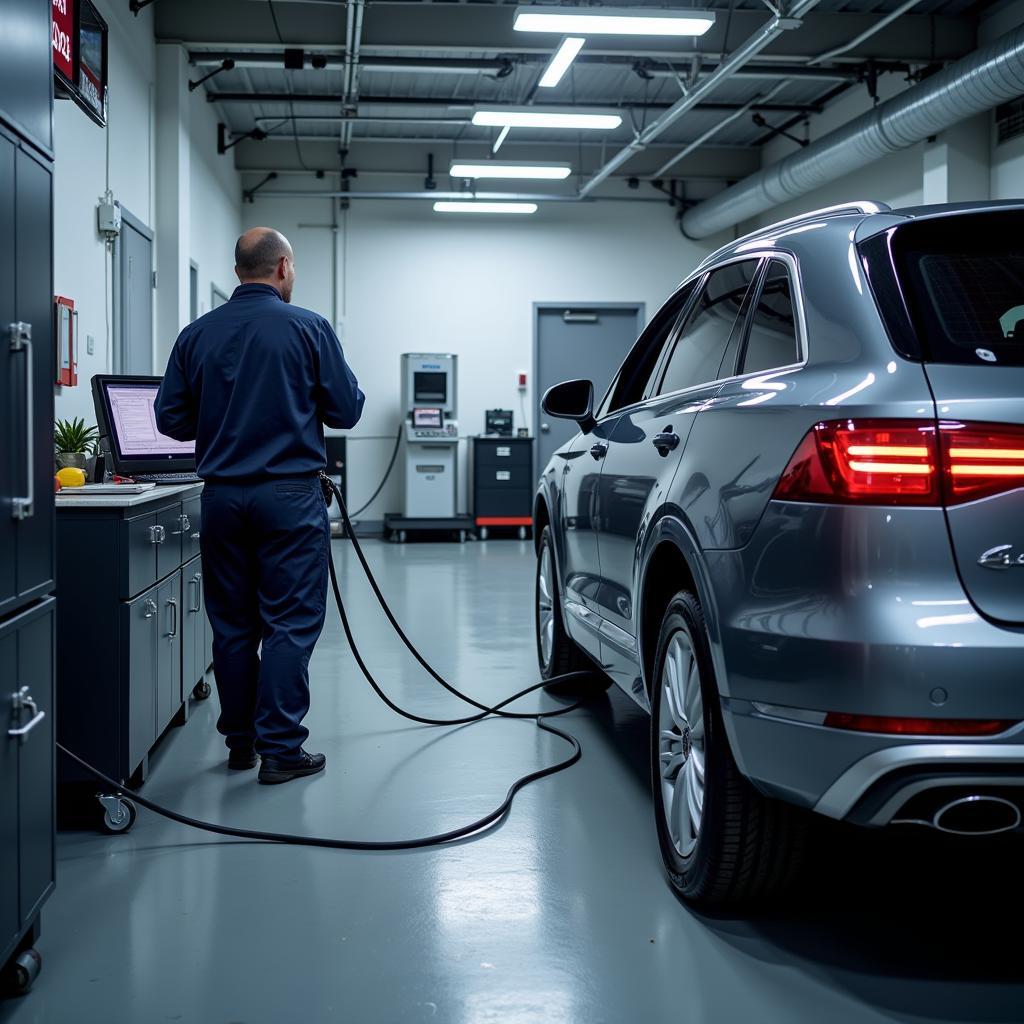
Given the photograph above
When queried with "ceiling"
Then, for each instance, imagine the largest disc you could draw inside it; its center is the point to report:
(385, 86)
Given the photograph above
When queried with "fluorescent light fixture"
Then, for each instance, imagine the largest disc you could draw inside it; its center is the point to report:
(502, 136)
(532, 117)
(560, 62)
(620, 21)
(494, 169)
(479, 206)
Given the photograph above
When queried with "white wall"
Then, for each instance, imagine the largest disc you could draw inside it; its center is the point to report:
(82, 266)
(416, 281)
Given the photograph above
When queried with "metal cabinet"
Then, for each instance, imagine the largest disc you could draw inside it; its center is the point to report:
(126, 598)
(26, 72)
(502, 482)
(26, 375)
(27, 851)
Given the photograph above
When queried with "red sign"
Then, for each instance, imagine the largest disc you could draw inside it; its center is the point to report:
(63, 28)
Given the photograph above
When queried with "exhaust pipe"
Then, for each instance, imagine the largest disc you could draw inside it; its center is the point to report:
(977, 816)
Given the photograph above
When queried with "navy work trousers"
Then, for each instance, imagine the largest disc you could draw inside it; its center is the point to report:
(264, 548)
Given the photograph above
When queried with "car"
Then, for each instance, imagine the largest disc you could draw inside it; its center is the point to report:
(793, 531)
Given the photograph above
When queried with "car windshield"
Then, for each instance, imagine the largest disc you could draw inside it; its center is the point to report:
(963, 281)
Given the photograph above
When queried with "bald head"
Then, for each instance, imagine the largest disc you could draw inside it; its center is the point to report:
(263, 256)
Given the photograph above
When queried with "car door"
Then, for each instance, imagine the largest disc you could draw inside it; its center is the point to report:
(740, 444)
(580, 476)
(645, 447)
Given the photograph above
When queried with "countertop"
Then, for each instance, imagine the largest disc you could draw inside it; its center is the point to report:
(161, 492)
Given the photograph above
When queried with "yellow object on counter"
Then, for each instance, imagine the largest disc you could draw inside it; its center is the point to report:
(69, 476)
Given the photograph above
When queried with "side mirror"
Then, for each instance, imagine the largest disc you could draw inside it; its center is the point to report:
(571, 400)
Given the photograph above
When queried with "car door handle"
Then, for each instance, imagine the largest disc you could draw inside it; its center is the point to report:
(666, 441)
(599, 450)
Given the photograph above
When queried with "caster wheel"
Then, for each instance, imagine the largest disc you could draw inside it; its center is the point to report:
(522, 533)
(119, 815)
(201, 690)
(462, 536)
(483, 533)
(401, 536)
(22, 972)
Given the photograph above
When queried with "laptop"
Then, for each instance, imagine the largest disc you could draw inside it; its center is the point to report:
(126, 414)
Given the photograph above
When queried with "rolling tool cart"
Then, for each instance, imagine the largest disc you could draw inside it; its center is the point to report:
(501, 484)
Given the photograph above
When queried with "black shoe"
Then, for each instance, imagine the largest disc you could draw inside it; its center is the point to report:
(274, 770)
(241, 759)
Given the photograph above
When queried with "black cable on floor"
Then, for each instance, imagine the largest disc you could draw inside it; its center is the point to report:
(398, 844)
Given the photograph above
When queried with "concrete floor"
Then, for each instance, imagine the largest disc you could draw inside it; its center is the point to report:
(560, 914)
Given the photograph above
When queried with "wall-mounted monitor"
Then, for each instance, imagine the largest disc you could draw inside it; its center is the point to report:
(80, 51)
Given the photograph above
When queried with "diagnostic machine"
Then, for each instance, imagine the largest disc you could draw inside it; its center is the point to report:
(431, 445)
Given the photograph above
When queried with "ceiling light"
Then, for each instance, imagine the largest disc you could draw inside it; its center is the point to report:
(613, 21)
(478, 206)
(532, 117)
(560, 62)
(502, 136)
(493, 169)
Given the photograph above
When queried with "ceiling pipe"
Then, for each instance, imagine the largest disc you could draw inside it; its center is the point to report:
(533, 197)
(788, 18)
(839, 51)
(972, 85)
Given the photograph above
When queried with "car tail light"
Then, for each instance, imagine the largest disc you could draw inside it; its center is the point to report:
(918, 726)
(872, 462)
(981, 459)
(903, 462)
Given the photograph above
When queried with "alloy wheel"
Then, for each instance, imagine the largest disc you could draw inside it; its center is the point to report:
(681, 743)
(545, 605)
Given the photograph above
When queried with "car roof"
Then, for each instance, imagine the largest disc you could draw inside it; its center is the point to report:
(858, 220)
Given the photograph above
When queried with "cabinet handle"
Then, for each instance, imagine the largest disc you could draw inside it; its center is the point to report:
(195, 536)
(157, 534)
(199, 580)
(22, 701)
(196, 582)
(184, 523)
(21, 341)
(151, 609)
(174, 629)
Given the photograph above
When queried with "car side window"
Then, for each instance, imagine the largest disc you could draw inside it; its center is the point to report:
(697, 356)
(631, 382)
(772, 339)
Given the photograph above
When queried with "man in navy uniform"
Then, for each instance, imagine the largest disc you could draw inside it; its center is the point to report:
(254, 382)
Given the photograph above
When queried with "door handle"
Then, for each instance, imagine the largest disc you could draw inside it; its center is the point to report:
(22, 506)
(197, 582)
(22, 701)
(545, 428)
(174, 608)
(599, 450)
(184, 526)
(667, 441)
(157, 534)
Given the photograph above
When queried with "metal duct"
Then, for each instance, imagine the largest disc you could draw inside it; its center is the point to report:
(976, 83)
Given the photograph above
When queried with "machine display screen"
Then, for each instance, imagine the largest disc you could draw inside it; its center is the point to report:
(429, 387)
(133, 424)
(427, 418)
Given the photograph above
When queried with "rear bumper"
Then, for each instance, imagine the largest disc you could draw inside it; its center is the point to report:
(863, 778)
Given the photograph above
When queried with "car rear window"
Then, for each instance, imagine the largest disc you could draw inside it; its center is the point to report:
(960, 280)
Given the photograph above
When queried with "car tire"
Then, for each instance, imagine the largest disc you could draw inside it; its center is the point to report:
(745, 847)
(557, 653)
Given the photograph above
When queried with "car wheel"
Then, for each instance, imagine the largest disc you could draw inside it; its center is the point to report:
(556, 651)
(722, 842)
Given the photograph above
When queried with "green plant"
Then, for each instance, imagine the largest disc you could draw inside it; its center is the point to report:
(74, 436)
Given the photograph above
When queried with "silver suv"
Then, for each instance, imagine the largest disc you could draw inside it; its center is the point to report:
(793, 530)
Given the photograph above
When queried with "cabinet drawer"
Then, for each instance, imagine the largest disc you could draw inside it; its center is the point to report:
(503, 477)
(497, 455)
(496, 501)
(143, 620)
(138, 551)
(192, 513)
(172, 530)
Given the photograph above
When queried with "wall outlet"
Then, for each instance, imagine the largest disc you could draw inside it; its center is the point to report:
(90, 344)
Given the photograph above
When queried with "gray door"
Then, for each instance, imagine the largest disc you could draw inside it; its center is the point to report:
(578, 341)
(134, 350)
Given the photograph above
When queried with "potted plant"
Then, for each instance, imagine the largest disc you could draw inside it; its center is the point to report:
(73, 443)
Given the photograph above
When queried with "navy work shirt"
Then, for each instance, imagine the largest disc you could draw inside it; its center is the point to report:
(253, 382)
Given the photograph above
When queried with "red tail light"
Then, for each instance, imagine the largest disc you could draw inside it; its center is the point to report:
(903, 462)
(917, 726)
(981, 459)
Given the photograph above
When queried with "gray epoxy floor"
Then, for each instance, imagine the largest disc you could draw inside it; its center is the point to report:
(560, 914)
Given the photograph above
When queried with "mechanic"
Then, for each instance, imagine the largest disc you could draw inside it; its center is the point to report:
(254, 382)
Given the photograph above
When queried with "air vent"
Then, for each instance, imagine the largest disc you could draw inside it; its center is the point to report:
(1010, 120)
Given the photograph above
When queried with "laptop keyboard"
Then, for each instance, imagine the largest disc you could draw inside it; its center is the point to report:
(165, 478)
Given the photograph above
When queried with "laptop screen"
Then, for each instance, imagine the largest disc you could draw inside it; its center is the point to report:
(133, 423)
